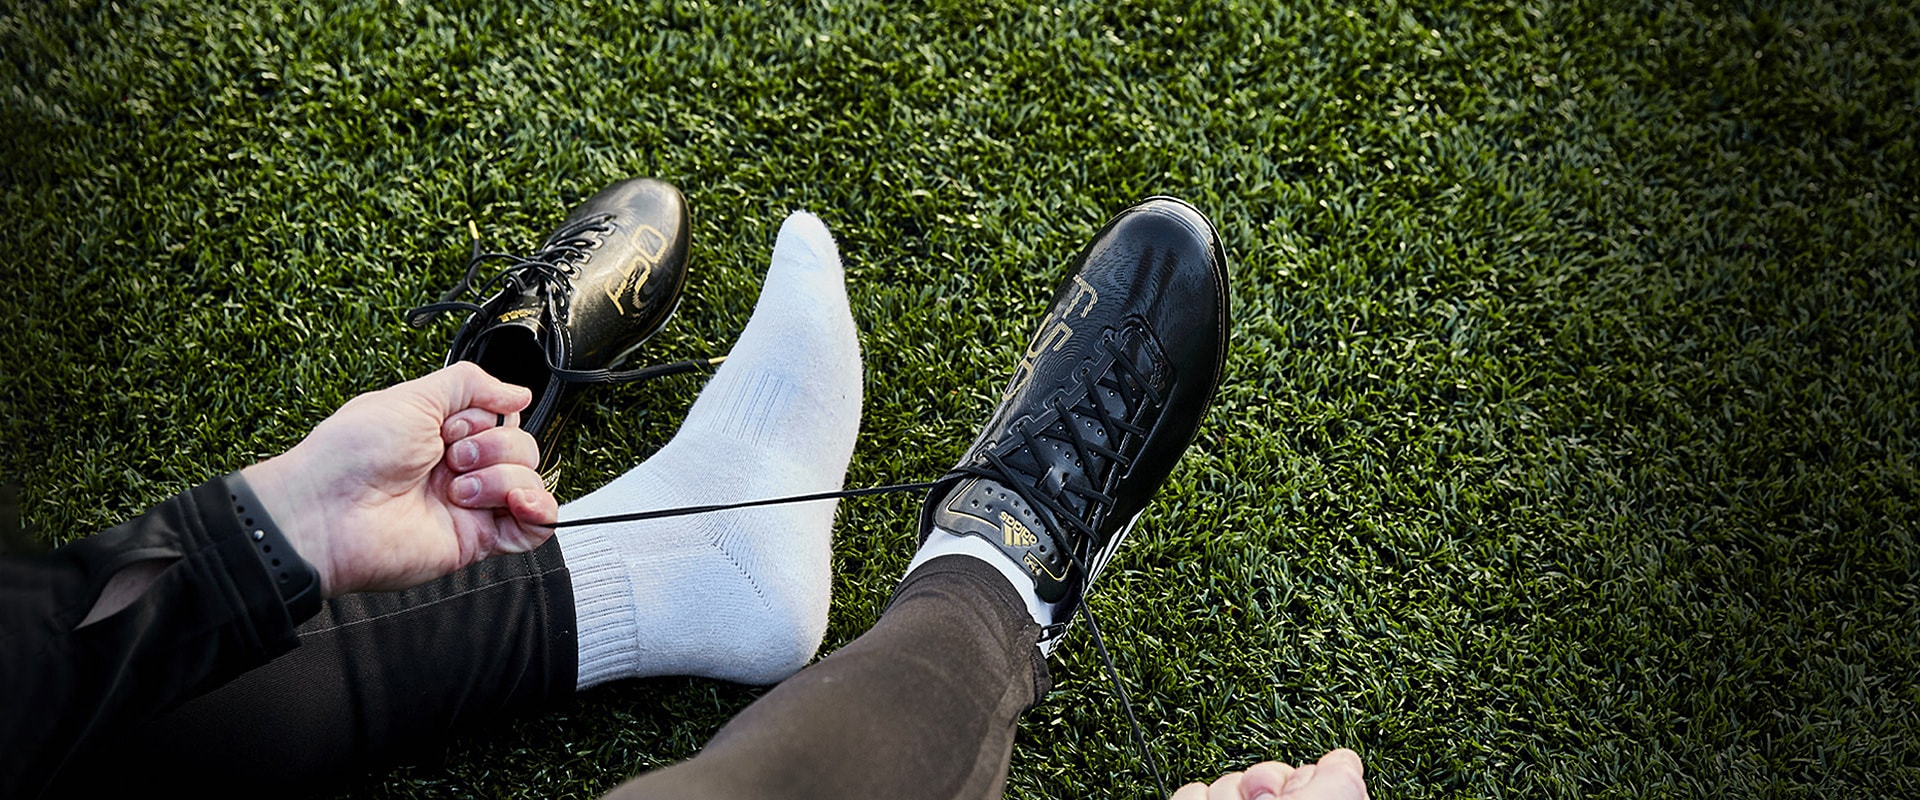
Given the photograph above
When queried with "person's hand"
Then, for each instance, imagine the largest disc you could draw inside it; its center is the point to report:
(410, 483)
(1339, 775)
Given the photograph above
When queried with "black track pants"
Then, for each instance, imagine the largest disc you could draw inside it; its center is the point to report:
(375, 676)
(923, 705)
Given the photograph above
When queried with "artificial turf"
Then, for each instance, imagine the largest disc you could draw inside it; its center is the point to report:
(1567, 445)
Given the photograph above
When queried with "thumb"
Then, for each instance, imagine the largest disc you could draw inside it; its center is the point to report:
(463, 385)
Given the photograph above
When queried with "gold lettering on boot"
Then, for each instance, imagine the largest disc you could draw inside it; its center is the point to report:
(1086, 291)
(644, 236)
(1054, 333)
(1034, 566)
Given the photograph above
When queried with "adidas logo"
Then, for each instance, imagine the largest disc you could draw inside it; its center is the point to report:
(1016, 534)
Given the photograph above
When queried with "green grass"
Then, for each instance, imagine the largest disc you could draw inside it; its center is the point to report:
(1567, 447)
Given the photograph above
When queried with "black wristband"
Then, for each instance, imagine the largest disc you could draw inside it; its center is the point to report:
(298, 581)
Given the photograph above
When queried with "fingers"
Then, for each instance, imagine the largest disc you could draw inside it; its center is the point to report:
(530, 509)
(493, 446)
(534, 507)
(1338, 774)
(497, 468)
(1264, 779)
(1302, 777)
(534, 512)
(1261, 781)
(473, 420)
(1191, 791)
(1344, 761)
(465, 385)
(1226, 788)
(491, 487)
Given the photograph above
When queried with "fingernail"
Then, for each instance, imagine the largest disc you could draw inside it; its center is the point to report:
(464, 454)
(466, 488)
(459, 428)
(1264, 795)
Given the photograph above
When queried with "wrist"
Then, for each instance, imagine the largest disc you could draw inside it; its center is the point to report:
(277, 485)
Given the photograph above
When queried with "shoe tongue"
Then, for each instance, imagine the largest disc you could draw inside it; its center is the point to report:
(517, 310)
(1061, 460)
(1060, 466)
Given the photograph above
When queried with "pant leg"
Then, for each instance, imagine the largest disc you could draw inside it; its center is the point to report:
(375, 675)
(923, 705)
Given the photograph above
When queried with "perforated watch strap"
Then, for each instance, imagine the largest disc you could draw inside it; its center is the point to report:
(298, 581)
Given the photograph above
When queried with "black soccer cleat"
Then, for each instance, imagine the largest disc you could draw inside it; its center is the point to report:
(603, 283)
(1102, 404)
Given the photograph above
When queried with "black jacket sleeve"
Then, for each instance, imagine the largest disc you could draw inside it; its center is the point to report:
(211, 615)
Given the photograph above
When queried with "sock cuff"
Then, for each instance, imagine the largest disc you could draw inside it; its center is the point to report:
(984, 578)
(603, 607)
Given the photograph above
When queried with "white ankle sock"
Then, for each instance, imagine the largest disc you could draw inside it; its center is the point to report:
(942, 542)
(736, 595)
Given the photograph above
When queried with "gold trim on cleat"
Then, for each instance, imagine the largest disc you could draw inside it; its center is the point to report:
(1034, 566)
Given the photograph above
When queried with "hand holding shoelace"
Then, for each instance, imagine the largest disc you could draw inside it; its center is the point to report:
(1338, 775)
(410, 483)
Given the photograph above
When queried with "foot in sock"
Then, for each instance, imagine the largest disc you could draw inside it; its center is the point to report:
(1099, 410)
(737, 595)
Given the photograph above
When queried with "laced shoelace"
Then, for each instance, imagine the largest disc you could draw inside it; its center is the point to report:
(1131, 384)
(547, 272)
(1128, 382)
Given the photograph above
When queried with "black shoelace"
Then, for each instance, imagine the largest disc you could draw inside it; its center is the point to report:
(1131, 385)
(1136, 392)
(547, 272)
